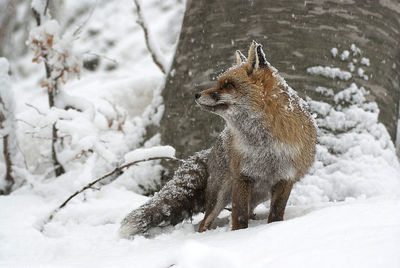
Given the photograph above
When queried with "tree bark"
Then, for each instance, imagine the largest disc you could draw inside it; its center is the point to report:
(8, 177)
(296, 35)
(7, 159)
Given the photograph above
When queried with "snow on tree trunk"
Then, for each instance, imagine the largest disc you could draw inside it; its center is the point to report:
(7, 127)
(296, 35)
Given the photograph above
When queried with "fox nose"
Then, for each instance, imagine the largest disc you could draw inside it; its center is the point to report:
(197, 95)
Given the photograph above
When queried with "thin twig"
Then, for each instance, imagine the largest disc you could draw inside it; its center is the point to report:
(29, 124)
(23, 156)
(102, 56)
(79, 29)
(90, 185)
(33, 107)
(34, 136)
(140, 21)
(46, 7)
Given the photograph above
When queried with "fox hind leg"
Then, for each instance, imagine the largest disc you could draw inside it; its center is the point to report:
(279, 196)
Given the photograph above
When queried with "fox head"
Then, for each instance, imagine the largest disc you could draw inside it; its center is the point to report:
(242, 86)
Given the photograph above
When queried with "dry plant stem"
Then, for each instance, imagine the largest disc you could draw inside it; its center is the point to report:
(146, 37)
(90, 185)
(58, 168)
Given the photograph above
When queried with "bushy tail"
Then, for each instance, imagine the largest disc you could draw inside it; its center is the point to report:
(181, 197)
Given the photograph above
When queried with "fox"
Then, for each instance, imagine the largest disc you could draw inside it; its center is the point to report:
(267, 145)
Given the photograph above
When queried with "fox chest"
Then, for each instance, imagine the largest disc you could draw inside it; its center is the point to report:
(265, 160)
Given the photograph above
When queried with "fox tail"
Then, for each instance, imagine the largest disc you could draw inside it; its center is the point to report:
(179, 199)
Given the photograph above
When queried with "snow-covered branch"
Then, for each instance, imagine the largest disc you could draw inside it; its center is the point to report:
(165, 155)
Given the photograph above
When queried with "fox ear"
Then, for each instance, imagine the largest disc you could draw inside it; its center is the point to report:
(240, 58)
(256, 59)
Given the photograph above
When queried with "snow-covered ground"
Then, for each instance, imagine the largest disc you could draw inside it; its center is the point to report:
(345, 213)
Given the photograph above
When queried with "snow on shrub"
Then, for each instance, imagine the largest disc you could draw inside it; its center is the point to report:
(56, 51)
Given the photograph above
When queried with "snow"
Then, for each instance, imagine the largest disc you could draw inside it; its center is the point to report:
(344, 213)
(351, 67)
(345, 55)
(361, 74)
(334, 52)
(355, 49)
(331, 72)
(146, 153)
(365, 61)
(352, 234)
(324, 91)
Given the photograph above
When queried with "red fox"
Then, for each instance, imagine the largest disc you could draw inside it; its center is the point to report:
(267, 145)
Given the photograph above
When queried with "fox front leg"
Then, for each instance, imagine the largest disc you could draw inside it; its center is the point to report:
(241, 200)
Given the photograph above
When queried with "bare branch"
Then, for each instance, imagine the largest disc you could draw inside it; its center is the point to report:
(79, 29)
(29, 124)
(36, 14)
(90, 185)
(33, 107)
(103, 56)
(46, 7)
(142, 24)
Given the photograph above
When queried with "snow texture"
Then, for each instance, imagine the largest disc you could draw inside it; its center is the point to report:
(328, 92)
(356, 51)
(329, 72)
(365, 61)
(345, 55)
(361, 74)
(146, 153)
(351, 67)
(334, 52)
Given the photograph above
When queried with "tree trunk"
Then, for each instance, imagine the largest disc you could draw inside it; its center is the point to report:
(296, 35)
(7, 128)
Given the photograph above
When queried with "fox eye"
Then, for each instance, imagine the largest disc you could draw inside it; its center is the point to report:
(229, 86)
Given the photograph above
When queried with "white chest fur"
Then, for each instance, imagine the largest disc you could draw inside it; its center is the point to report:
(267, 159)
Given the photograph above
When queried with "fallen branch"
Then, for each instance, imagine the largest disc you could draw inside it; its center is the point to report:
(152, 51)
(90, 185)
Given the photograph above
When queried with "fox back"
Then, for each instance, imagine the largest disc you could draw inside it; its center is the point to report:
(269, 140)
